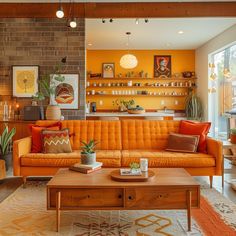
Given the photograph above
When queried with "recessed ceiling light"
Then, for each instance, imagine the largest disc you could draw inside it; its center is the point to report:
(90, 44)
(180, 32)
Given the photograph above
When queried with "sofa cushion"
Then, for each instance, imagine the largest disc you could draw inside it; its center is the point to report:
(196, 128)
(147, 134)
(182, 143)
(160, 158)
(109, 158)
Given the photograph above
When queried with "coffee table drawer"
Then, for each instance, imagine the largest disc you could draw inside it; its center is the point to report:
(86, 197)
(160, 198)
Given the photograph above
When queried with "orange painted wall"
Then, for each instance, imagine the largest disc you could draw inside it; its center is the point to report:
(182, 60)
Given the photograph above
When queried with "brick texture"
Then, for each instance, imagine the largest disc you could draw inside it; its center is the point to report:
(41, 42)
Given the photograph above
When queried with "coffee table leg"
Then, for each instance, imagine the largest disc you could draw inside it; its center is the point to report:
(58, 209)
(189, 200)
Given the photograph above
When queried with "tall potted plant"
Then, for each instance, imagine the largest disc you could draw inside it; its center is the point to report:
(5, 141)
(47, 86)
(88, 154)
(193, 107)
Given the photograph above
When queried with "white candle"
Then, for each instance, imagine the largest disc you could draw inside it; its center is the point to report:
(144, 164)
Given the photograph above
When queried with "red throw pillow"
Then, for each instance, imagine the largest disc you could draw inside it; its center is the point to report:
(36, 135)
(195, 128)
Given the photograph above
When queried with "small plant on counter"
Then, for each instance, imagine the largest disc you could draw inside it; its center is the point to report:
(123, 104)
(88, 154)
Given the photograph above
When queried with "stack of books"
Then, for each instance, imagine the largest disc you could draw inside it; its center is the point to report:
(86, 169)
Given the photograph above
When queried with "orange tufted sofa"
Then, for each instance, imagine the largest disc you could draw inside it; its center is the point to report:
(120, 143)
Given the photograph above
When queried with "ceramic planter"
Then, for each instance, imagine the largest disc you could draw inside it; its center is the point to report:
(88, 159)
(8, 160)
(53, 112)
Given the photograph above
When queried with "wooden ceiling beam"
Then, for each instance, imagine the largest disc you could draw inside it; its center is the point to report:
(121, 9)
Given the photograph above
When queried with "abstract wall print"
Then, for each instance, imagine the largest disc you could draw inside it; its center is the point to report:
(67, 92)
(25, 80)
(162, 66)
(108, 70)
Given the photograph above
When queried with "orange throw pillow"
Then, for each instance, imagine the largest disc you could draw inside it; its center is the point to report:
(37, 136)
(195, 128)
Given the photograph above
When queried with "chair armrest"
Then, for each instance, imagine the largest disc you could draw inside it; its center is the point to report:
(215, 148)
(20, 147)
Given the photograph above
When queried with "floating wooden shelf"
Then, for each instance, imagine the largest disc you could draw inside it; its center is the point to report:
(137, 87)
(135, 95)
(139, 78)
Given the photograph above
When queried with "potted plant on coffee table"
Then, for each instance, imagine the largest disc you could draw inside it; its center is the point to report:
(5, 141)
(88, 154)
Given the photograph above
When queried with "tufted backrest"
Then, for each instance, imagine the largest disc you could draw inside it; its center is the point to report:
(107, 133)
(146, 134)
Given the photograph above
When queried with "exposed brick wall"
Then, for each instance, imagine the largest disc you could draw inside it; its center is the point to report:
(42, 42)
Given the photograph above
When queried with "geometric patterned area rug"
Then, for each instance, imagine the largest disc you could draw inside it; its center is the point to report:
(24, 214)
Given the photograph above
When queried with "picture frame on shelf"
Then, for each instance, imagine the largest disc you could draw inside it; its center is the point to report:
(162, 66)
(66, 92)
(25, 80)
(108, 70)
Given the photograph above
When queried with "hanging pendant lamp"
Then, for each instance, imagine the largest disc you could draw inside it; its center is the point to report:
(128, 61)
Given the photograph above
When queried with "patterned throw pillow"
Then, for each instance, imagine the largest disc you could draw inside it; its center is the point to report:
(182, 143)
(56, 141)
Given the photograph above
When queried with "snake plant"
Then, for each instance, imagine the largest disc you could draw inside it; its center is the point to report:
(89, 147)
(193, 107)
(5, 140)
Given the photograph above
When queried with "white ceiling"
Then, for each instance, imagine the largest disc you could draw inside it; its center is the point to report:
(157, 34)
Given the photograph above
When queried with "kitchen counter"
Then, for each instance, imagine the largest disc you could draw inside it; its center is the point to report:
(126, 114)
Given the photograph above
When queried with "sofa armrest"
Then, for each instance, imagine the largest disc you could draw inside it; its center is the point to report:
(215, 148)
(20, 147)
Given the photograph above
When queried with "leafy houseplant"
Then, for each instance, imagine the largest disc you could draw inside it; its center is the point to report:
(5, 140)
(88, 154)
(193, 107)
(123, 104)
(233, 135)
(47, 85)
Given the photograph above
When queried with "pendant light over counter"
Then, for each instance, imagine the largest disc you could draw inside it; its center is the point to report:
(60, 12)
(128, 61)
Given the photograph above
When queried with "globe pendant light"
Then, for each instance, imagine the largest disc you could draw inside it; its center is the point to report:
(128, 61)
(60, 12)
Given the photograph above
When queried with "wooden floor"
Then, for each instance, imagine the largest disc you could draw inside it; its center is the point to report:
(10, 184)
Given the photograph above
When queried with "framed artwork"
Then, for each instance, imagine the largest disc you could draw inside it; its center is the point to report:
(162, 66)
(67, 92)
(25, 80)
(108, 70)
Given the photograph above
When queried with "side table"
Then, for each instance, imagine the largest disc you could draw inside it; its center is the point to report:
(2, 169)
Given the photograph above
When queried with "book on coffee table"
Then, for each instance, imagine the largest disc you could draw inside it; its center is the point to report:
(86, 169)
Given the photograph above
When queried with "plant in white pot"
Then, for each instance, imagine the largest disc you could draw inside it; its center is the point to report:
(5, 141)
(48, 86)
(88, 154)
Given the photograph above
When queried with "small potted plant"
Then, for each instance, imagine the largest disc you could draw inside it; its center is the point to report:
(5, 141)
(88, 154)
(48, 87)
(134, 167)
(233, 135)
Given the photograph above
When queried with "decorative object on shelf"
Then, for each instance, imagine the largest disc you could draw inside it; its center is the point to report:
(128, 61)
(95, 75)
(24, 79)
(88, 154)
(119, 75)
(188, 74)
(66, 92)
(136, 110)
(141, 74)
(108, 70)
(233, 135)
(17, 112)
(193, 106)
(162, 66)
(5, 142)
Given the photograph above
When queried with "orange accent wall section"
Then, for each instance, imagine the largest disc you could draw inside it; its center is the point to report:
(181, 60)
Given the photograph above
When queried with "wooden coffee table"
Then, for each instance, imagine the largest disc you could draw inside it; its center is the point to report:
(170, 189)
